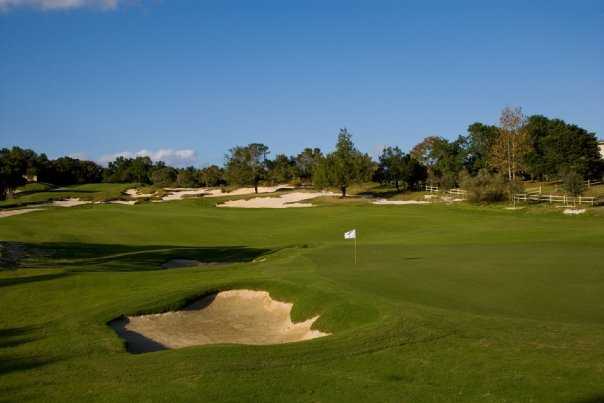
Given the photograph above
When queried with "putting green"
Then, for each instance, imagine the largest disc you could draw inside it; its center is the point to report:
(446, 303)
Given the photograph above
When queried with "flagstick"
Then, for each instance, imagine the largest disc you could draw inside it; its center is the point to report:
(355, 248)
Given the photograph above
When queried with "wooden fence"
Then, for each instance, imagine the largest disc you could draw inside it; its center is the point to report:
(565, 200)
(430, 188)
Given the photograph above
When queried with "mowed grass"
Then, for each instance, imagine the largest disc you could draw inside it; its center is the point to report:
(446, 303)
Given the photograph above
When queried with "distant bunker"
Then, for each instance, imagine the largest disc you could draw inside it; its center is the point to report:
(235, 317)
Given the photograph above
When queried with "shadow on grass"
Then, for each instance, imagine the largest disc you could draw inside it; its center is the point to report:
(102, 257)
(5, 282)
(14, 337)
(591, 399)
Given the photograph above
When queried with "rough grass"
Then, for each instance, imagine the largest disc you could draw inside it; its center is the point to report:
(91, 191)
(446, 303)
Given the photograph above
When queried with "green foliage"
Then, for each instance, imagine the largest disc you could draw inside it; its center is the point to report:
(188, 178)
(246, 165)
(399, 168)
(306, 162)
(479, 141)
(485, 187)
(572, 182)
(211, 176)
(281, 169)
(345, 166)
(165, 176)
(557, 146)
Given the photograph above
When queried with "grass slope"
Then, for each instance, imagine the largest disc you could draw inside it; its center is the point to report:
(446, 303)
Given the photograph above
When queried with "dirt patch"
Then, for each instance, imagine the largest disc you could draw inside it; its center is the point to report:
(288, 200)
(235, 317)
(9, 213)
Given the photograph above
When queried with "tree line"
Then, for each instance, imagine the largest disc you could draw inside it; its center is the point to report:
(487, 156)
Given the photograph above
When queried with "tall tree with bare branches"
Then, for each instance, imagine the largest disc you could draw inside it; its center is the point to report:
(511, 146)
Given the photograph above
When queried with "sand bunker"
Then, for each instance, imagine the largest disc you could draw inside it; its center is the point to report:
(287, 200)
(573, 211)
(235, 316)
(180, 193)
(126, 202)
(71, 202)
(9, 213)
(134, 193)
(399, 202)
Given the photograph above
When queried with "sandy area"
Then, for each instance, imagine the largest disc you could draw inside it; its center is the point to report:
(235, 316)
(399, 202)
(9, 213)
(287, 200)
(573, 211)
(134, 193)
(71, 202)
(127, 202)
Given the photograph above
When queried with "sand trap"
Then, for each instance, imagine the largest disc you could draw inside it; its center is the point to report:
(134, 193)
(9, 213)
(572, 211)
(181, 194)
(235, 316)
(71, 202)
(514, 208)
(288, 200)
(127, 202)
(399, 202)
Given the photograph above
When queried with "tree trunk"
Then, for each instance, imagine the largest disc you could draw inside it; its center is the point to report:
(256, 187)
(396, 184)
(343, 189)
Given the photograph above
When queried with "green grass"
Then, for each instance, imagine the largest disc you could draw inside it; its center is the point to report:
(90, 191)
(447, 303)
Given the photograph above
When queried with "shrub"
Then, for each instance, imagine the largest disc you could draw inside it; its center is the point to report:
(486, 187)
(572, 182)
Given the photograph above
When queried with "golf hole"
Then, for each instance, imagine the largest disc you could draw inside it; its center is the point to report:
(235, 316)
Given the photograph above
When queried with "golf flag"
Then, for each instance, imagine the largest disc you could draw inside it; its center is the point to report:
(352, 234)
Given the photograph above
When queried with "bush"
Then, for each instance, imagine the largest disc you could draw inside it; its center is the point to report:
(486, 187)
(572, 182)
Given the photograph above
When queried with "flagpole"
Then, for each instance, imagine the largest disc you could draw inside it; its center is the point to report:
(355, 247)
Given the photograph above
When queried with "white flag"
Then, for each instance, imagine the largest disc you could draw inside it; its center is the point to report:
(352, 234)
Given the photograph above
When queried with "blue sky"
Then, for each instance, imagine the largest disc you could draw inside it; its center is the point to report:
(95, 78)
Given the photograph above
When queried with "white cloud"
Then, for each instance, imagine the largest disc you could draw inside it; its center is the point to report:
(177, 158)
(59, 4)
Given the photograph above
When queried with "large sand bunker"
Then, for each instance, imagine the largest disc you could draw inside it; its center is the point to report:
(235, 316)
(287, 200)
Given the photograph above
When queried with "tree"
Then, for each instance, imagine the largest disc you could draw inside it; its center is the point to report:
(306, 162)
(211, 176)
(509, 150)
(444, 159)
(163, 176)
(187, 177)
(345, 166)
(556, 145)
(13, 166)
(572, 182)
(246, 165)
(479, 141)
(281, 169)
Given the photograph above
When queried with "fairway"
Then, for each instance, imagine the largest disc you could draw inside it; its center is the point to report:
(446, 303)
